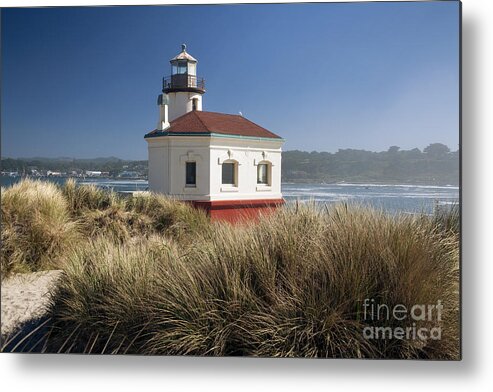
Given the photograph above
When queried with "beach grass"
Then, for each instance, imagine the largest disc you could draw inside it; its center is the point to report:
(293, 284)
(101, 212)
(37, 229)
(41, 221)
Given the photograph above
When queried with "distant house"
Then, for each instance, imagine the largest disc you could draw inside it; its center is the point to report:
(223, 163)
(93, 173)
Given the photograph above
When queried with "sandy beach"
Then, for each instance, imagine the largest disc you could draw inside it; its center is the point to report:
(25, 298)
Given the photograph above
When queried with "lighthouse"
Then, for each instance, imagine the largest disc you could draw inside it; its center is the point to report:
(223, 163)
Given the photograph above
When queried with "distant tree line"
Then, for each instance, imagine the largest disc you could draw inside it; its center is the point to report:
(112, 165)
(436, 165)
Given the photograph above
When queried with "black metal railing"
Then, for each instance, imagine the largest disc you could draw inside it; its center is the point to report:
(183, 81)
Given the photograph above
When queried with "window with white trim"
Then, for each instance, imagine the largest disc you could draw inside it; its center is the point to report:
(263, 174)
(229, 173)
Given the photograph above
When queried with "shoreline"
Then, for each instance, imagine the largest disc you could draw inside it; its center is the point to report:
(290, 182)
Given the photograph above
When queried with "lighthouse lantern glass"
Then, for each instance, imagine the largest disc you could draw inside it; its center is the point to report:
(192, 69)
(179, 68)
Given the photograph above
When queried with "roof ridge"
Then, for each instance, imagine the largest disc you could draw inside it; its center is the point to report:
(201, 121)
(260, 126)
(222, 114)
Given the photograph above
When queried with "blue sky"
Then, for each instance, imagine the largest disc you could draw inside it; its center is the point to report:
(82, 82)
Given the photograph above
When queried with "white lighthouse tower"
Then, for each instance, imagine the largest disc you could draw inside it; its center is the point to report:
(223, 163)
(183, 88)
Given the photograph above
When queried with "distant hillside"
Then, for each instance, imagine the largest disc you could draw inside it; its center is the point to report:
(435, 165)
(111, 165)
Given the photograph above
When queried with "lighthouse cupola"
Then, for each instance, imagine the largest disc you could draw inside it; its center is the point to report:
(184, 89)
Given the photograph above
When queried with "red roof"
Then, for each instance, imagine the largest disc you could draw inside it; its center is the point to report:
(206, 123)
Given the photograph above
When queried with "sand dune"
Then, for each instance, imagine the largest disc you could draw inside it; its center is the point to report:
(25, 297)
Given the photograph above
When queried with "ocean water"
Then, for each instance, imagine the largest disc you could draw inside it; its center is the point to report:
(391, 198)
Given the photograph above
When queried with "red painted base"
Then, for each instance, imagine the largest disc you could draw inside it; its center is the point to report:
(236, 211)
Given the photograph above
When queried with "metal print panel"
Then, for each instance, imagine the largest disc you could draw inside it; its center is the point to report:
(268, 180)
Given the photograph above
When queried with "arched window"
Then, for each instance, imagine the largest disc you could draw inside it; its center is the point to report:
(230, 173)
(264, 173)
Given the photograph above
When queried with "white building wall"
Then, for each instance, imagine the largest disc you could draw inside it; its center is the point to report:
(182, 151)
(158, 165)
(180, 103)
(247, 153)
(210, 153)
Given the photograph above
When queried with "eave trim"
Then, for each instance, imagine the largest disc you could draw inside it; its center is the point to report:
(212, 134)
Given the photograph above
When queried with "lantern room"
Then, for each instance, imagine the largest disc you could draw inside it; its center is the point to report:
(183, 74)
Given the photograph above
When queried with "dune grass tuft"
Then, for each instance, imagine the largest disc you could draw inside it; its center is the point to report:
(168, 216)
(447, 218)
(41, 221)
(101, 212)
(36, 227)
